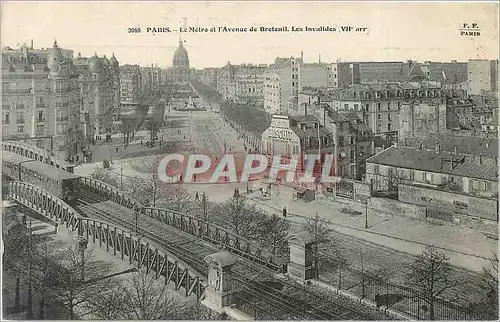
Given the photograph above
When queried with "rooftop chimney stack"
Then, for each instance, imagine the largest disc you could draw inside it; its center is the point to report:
(31, 43)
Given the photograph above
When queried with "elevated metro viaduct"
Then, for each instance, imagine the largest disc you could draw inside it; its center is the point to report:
(154, 258)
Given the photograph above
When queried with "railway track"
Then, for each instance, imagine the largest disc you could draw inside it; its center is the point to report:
(258, 291)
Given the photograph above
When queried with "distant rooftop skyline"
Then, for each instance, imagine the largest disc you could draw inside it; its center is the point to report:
(397, 31)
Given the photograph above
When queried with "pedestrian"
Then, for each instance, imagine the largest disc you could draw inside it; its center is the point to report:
(197, 197)
(284, 212)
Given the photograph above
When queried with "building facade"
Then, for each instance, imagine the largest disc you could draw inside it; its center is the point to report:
(41, 98)
(130, 85)
(482, 77)
(249, 84)
(180, 67)
(210, 77)
(99, 81)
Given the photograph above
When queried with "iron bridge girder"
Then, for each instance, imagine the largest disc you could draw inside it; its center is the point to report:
(141, 253)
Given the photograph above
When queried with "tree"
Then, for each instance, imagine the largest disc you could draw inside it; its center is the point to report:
(16, 245)
(431, 275)
(133, 187)
(148, 299)
(111, 304)
(335, 258)
(241, 217)
(67, 278)
(103, 175)
(274, 235)
(204, 207)
(487, 307)
(153, 190)
(176, 198)
(321, 231)
(396, 176)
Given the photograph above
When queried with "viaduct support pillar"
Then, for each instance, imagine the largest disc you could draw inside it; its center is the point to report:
(219, 291)
(302, 260)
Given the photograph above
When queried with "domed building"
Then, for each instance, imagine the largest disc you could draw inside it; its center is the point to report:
(180, 70)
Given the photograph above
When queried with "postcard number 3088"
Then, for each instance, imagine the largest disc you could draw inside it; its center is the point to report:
(134, 30)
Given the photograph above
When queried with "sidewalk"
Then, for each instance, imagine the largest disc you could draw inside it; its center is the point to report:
(465, 247)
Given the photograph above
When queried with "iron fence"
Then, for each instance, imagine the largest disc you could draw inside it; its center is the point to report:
(397, 297)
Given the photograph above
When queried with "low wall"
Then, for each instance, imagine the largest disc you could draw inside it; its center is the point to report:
(456, 203)
(397, 208)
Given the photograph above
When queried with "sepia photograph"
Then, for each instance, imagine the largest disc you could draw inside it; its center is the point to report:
(256, 160)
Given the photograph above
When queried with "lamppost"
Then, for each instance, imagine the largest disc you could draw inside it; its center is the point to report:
(82, 245)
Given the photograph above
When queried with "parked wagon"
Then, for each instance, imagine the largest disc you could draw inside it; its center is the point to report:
(58, 182)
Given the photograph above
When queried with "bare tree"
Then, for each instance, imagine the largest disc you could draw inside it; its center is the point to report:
(487, 306)
(134, 186)
(176, 198)
(321, 231)
(241, 217)
(103, 175)
(111, 304)
(335, 258)
(431, 274)
(67, 281)
(274, 235)
(396, 176)
(16, 245)
(154, 189)
(148, 299)
(204, 207)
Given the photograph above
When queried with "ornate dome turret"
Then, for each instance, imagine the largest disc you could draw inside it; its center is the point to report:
(181, 58)
(55, 58)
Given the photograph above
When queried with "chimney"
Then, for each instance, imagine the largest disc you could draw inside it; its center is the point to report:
(319, 58)
(455, 150)
(31, 43)
(302, 56)
(438, 148)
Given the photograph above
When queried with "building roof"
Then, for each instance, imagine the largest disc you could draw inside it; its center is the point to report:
(425, 160)
(449, 72)
(465, 144)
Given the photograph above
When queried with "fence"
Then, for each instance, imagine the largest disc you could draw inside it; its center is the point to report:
(395, 297)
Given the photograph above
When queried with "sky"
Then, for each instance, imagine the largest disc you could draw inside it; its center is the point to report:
(395, 31)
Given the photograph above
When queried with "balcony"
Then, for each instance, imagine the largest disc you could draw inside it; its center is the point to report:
(62, 118)
(20, 121)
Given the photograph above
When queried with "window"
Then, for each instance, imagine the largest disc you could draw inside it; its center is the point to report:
(346, 106)
(428, 177)
(475, 185)
(412, 175)
(20, 129)
(388, 127)
(378, 106)
(379, 117)
(376, 169)
(356, 106)
(6, 118)
(20, 117)
(40, 129)
(341, 140)
(389, 116)
(352, 154)
(483, 186)
(351, 139)
(20, 105)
